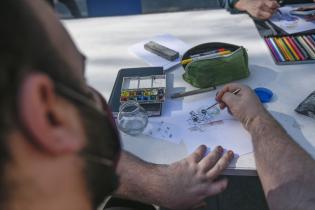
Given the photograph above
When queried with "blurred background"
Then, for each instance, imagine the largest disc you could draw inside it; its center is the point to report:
(98, 8)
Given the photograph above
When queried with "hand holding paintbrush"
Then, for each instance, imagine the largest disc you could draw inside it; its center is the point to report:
(235, 92)
(242, 102)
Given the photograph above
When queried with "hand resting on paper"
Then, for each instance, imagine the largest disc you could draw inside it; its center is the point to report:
(261, 9)
(193, 179)
(245, 106)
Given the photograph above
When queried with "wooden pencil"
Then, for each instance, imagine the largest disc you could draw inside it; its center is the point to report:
(286, 42)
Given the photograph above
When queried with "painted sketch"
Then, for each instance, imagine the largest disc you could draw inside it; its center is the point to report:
(199, 119)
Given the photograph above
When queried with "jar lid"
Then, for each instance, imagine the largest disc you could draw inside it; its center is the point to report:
(264, 94)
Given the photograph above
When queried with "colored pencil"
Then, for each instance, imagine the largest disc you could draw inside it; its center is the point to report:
(312, 37)
(275, 55)
(302, 50)
(309, 44)
(282, 50)
(306, 47)
(292, 48)
(272, 41)
(311, 41)
(284, 55)
(297, 50)
(287, 43)
(273, 44)
(286, 49)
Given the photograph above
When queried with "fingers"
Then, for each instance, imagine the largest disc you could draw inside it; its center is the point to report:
(218, 187)
(266, 9)
(264, 15)
(210, 160)
(229, 98)
(222, 105)
(220, 165)
(228, 88)
(273, 5)
(226, 92)
(198, 154)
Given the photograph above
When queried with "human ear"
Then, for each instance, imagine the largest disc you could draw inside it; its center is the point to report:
(51, 122)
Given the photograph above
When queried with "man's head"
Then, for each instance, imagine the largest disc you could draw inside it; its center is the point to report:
(53, 133)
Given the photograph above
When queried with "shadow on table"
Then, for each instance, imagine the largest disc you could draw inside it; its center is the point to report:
(260, 76)
(293, 129)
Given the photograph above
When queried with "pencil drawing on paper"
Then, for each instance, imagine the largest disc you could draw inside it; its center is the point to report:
(163, 130)
(202, 117)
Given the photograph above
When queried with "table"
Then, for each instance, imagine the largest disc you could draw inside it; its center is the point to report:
(105, 41)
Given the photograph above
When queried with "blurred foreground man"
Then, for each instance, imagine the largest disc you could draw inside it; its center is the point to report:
(60, 148)
(59, 145)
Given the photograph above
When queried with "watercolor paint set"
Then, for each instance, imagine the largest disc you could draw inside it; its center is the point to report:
(144, 90)
(292, 49)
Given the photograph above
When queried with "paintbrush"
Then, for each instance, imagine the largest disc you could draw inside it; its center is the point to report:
(235, 92)
(193, 92)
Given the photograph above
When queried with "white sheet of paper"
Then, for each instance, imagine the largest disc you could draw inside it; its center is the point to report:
(154, 60)
(163, 130)
(291, 23)
(225, 131)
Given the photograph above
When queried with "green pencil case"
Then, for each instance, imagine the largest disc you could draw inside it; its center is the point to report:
(216, 71)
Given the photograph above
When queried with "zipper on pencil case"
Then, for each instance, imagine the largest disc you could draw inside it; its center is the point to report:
(214, 58)
(187, 69)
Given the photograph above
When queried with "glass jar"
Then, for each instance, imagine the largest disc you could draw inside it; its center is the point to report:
(132, 118)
